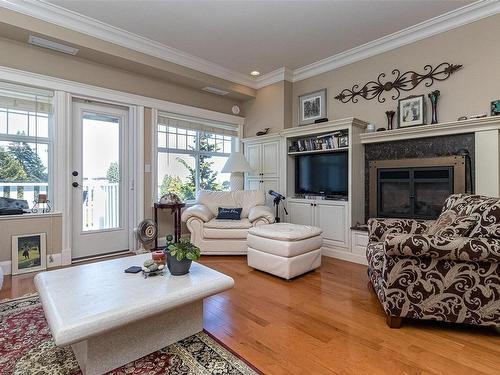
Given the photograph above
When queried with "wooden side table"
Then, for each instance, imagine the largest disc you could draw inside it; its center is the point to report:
(175, 209)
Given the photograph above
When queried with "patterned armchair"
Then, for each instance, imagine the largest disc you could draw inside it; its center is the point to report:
(445, 270)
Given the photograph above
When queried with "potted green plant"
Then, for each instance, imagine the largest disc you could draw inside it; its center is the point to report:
(180, 255)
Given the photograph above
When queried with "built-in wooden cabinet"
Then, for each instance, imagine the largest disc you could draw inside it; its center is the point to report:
(274, 161)
(331, 216)
(262, 153)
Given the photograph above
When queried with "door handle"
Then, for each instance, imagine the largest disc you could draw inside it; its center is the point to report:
(75, 184)
(75, 173)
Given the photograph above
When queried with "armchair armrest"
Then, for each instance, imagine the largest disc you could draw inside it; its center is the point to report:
(379, 228)
(261, 212)
(436, 247)
(199, 211)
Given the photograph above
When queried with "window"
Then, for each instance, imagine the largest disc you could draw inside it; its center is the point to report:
(25, 142)
(191, 154)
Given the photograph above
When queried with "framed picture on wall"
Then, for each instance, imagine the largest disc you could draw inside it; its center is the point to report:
(29, 253)
(312, 107)
(411, 111)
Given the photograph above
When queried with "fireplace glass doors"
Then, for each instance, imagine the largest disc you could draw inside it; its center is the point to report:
(414, 188)
(413, 192)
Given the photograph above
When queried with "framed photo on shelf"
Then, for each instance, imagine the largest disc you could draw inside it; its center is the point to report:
(344, 141)
(411, 111)
(312, 106)
(29, 253)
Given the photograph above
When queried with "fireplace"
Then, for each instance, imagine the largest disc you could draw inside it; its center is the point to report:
(414, 188)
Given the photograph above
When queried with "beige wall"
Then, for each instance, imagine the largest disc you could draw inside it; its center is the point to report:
(271, 108)
(468, 91)
(34, 59)
(51, 225)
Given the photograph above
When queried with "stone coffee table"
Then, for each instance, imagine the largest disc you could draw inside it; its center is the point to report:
(111, 318)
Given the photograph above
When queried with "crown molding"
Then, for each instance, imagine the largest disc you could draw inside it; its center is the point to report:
(77, 22)
(447, 21)
(278, 75)
(74, 21)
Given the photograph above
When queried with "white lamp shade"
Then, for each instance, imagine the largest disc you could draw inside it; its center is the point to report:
(236, 163)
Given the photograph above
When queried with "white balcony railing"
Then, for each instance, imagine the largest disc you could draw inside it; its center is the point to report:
(101, 204)
(23, 190)
(100, 200)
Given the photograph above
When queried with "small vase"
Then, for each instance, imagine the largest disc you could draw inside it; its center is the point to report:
(178, 267)
(390, 117)
(433, 96)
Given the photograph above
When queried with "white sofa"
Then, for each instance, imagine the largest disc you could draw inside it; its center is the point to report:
(225, 237)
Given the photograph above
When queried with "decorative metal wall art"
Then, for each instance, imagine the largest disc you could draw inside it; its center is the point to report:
(402, 82)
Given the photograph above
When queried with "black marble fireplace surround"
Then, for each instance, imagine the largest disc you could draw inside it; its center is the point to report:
(417, 148)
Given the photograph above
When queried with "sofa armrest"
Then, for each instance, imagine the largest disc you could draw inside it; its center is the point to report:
(436, 247)
(379, 228)
(199, 211)
(261, 212)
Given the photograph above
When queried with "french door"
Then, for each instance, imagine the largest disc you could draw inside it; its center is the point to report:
(100, 179)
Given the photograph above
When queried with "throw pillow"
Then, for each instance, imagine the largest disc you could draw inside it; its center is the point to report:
(229, 213)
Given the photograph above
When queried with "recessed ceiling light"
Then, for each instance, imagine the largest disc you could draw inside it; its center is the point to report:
(50, 44)
(255, 73)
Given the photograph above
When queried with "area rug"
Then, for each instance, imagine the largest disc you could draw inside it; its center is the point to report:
(27, 348)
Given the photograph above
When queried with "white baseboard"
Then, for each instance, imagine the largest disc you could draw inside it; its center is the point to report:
(344, 255)
(6, 267)
(53, 260)
(66, 257)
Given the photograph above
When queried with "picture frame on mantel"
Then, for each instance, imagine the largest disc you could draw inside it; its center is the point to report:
(312, 106)
(411, 111)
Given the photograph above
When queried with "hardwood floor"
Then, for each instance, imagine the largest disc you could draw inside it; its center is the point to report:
(327, 322)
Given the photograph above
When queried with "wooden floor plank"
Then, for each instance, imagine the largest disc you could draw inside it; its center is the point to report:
(327, 322)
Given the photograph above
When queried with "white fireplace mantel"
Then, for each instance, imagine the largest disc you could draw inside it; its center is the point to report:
(486, 132)
(435, 130)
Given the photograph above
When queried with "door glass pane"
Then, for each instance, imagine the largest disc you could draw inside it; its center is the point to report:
(100, 172)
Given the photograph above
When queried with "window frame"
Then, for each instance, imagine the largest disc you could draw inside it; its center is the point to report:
(196, 153)
(49, 141)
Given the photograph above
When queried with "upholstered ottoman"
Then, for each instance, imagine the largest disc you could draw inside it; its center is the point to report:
(285, 250)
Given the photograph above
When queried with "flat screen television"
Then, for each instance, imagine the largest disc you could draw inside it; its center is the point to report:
(322, 174)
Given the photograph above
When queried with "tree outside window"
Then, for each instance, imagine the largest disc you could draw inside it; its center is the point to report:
(195, 166)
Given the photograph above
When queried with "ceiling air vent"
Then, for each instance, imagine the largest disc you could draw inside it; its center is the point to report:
(215, 90)
(45, 43)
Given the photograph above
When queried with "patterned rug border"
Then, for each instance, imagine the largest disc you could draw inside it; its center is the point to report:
(209, 334)
(241, 358)
(24, 296)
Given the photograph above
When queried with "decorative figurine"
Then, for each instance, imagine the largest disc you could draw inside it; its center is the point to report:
(263, 132)
(433, 96)
(41, 204)
(170, 198)
(150, 268)
(390, 117)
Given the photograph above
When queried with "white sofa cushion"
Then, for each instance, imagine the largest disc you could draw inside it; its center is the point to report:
(225, 234)
(245, 199)
(228, 224)
(284, 248)
(285, 231)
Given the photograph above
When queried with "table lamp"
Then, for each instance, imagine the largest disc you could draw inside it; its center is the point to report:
(236, 164)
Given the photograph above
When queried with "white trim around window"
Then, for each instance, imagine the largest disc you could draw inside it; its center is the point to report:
(64, 92)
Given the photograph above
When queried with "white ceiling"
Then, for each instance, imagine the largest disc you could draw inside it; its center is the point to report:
(262, 35)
